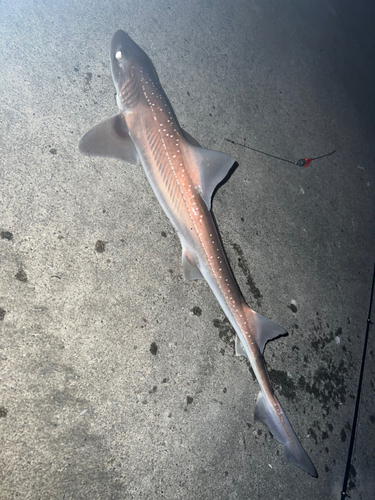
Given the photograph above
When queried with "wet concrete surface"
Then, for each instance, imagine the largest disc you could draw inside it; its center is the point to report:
(118, 378)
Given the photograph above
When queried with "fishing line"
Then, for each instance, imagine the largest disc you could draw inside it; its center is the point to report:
(355, 417)
(303, 162)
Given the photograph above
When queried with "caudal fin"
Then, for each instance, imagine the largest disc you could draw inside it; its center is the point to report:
(273, 416)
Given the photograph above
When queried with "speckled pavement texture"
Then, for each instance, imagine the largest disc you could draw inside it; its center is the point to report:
(118, 379)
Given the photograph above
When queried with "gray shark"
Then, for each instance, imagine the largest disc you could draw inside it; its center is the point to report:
(184, 176)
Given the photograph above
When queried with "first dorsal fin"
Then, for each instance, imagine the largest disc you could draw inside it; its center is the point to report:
(213, 168)
(191, 139)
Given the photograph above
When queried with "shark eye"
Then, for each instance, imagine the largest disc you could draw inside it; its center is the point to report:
(118, 55)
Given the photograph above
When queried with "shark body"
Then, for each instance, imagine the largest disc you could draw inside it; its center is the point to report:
(184, 176)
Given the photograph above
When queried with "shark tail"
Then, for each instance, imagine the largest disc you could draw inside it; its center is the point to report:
(272, 415)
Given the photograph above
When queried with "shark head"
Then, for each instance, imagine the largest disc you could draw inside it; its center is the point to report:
(128, 65)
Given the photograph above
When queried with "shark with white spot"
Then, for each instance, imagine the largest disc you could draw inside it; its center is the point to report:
(184, 176)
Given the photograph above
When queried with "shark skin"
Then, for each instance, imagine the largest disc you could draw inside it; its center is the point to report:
(184, 176)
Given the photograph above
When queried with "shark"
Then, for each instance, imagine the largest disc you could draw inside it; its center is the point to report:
(184, 176)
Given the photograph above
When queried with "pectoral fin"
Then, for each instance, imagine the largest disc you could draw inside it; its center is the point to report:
(110, 138)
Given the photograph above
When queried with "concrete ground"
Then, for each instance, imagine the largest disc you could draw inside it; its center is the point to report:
(118, 378)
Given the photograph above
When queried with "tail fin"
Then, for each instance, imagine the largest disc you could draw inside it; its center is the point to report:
(273, 416)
